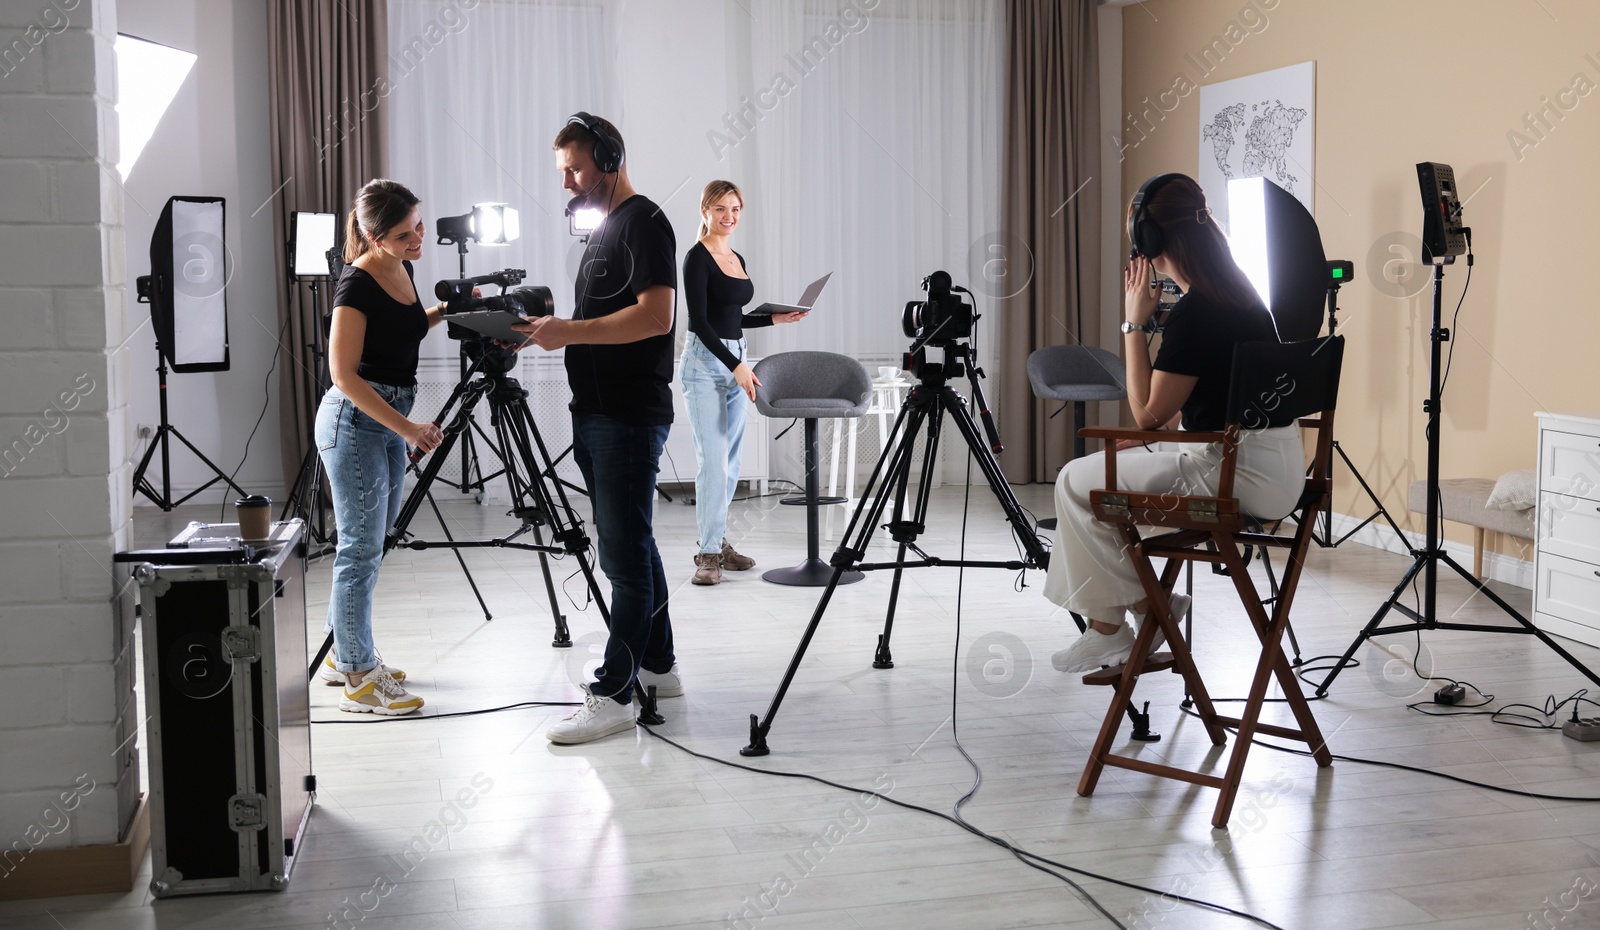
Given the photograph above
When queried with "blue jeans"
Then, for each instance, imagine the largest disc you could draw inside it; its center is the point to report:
(619, 463)
(717, 407)
(366, 464)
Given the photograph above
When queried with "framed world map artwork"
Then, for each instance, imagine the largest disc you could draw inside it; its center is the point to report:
(1260, 125)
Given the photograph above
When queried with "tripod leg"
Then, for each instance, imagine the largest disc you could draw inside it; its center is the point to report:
(1382, 510)
(759, 730)
(1366, 631)
(883, 658)
(563, 638)
(899, 477)
(1527, 625)
(460, 560)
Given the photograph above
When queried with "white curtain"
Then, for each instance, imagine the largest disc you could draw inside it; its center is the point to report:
(477, 96)
(881, 163)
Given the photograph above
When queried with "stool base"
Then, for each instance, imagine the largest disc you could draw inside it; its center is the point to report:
(812, 573)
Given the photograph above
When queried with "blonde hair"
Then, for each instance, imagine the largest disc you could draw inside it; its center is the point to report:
(714, 192)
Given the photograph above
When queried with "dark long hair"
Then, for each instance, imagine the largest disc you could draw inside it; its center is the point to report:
(381, 205)
(1196, 245)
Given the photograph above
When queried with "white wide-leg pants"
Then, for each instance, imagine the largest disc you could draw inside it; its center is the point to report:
(1091, 575)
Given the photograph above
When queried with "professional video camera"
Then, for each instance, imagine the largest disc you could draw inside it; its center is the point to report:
(526, 301)
(942, 319)
(529, 300)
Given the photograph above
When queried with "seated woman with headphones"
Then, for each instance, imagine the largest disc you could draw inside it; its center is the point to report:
(1186, 383)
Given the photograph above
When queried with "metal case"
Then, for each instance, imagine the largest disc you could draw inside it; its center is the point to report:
(229, 708)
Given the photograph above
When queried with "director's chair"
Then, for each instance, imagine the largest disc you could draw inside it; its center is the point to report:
(1272, 385)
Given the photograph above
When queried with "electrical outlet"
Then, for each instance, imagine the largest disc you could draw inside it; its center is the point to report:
(1584, 728)
(144, 431)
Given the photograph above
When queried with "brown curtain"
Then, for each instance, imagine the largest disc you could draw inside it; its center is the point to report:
(1051, 203)
(328, 70)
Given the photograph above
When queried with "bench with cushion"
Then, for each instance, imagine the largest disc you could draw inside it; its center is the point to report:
(1486, 505)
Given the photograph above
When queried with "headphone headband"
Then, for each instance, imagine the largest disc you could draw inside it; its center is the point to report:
(607, 151)
(1144, 233)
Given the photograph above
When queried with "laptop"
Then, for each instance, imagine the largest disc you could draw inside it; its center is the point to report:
(802, 306)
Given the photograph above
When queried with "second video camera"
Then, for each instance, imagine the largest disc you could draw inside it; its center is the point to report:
(943, 319)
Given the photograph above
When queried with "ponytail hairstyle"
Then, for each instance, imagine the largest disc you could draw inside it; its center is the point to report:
(1196, 245)
(714, 192)
(379, 207)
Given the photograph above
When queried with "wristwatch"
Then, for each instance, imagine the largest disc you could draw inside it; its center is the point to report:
(1128, 327)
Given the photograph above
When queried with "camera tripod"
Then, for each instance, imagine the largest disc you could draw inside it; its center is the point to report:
(536, 500)
(922, 414)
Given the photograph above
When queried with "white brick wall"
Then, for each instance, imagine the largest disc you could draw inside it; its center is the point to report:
(65, 650)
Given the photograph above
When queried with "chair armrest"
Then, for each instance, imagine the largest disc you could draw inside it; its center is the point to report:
(1229, 439)
(1149, 435)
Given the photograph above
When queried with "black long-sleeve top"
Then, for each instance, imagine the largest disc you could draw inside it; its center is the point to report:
(716, 302)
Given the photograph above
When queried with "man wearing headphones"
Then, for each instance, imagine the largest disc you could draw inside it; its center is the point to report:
(619, 364)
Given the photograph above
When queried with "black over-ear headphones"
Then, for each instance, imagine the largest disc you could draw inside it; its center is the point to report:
(1144, 232)
(607, 150)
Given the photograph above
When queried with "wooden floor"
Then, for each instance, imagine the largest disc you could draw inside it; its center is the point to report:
(631, 832)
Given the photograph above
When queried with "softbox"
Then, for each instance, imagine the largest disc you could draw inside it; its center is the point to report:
(1277, 245)
(187, 289)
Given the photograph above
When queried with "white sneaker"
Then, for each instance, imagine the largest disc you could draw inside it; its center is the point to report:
(1180, 609)
(668, 683)
(330, 674)
(599, 716)
(1093, 649)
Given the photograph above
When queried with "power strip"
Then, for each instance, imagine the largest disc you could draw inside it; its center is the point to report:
(1586, 729)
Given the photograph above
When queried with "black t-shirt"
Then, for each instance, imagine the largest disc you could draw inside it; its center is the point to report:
(634, 249)
(715, 300)
(1198, 340)
(394, 330)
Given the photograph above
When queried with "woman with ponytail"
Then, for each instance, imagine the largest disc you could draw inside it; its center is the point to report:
(363, 428)
(716, 379)
(1184, 386)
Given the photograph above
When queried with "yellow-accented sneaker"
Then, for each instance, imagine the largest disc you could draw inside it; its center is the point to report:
(378, 693)
(330, 674)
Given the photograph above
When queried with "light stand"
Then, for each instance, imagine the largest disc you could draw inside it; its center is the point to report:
(305, 499)
(1426, 560)
(141, 483)
(1339, 274)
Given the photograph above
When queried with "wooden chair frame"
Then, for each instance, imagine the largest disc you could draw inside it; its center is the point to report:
(1194, 520)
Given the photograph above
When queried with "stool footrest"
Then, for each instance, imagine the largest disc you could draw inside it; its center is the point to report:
(801, 501)
(1112, 675)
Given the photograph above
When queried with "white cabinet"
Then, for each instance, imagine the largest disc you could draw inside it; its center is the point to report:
(1566, 590)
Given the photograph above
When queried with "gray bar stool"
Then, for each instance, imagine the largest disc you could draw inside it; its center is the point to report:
(811, 385)
(1076, 375)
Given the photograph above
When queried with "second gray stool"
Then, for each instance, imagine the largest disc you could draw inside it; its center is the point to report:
(1077, 375)
(811, 385)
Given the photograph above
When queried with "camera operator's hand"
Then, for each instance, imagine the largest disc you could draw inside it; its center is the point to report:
(1139, 301)
(546, 332)
(425, 437)
(794, 317)
(747, 379)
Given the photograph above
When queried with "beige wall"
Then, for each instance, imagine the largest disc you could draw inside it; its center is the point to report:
(1399, 83)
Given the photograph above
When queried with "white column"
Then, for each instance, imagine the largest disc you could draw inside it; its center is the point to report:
(66, 645)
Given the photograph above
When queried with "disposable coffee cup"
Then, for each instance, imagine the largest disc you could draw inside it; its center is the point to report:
(255, 517)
